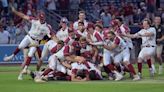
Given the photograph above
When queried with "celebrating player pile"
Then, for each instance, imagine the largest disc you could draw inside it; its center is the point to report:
(84, 51)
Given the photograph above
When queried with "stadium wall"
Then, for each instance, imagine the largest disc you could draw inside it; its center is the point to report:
(6, 50)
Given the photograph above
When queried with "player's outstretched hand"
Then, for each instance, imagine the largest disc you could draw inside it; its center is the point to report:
(80, 59)
(11, 7)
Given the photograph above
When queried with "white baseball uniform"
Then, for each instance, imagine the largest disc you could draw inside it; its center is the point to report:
(93, 67)
(48, 47)
(148, 43)
(124, 30)
(36, 33)
(60, 55)
(97, 39)
(62, 34)
(75, 24)
(107, 54)
(81, 34)
(121, 52)
(69, 41)
(55, 64)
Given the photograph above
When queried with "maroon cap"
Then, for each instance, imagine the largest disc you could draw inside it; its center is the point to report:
(114, 23)
(41, 15)
(90, 25)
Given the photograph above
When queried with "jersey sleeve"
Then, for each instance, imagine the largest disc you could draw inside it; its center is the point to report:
(98, 37)
(67, 40)
(32, 19)
(138, 33)
(49, 31)
(66, 50)
(54, 49)
(117, 41)
(127, 30)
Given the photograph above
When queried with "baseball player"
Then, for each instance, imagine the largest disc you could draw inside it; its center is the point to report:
(62, 34)
(88, 51)
(148, 47)
(54, 63)
(81, 31)
(81, 19)
(124, 29)
(120, 54)
(39, 28)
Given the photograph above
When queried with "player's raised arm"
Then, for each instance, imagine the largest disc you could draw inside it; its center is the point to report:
(19, 13)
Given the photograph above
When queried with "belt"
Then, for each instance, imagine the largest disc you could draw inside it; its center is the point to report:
(148, 46)
(33, 38)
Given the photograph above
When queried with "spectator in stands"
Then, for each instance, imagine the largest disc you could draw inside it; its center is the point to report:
(21, 31)
(82, 4)
(140, 13)
(163, 15)
(106, 17)
(73, 9)
(113, 10)
(64, 6)
(29, 9)
(40, 4)
(51, 4)
(5, 6)
(15, 3)
(127, 10)
(74, 4)
(96, 10)
(10, 27)
(159, 12)
(1, 7)
(17, 19)
(150, 8)
(4, 35)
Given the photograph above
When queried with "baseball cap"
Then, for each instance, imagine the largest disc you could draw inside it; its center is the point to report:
(64, 20)
(70, 30)
(90, 25)
(114, 23)
(41, 15)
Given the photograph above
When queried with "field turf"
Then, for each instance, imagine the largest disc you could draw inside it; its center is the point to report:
(9, 83)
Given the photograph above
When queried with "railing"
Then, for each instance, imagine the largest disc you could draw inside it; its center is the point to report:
(54, 17)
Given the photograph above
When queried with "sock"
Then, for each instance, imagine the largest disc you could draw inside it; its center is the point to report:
(28, 60)
(118, 68)
(153, 67)
(126, 69)
(38, 66)
(111, 67)
(47, 71)
(149, 63)
(58, 74)
(87, 65)
(140, 67)
(131, 69)
(106, 69)
(16, 51)
(39, 51)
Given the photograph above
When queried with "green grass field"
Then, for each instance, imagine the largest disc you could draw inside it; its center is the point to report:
(9, 83)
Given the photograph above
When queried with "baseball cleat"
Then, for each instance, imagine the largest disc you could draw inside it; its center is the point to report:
(8, 58)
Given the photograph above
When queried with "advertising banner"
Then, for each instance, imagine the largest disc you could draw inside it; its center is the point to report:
(6, 50)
